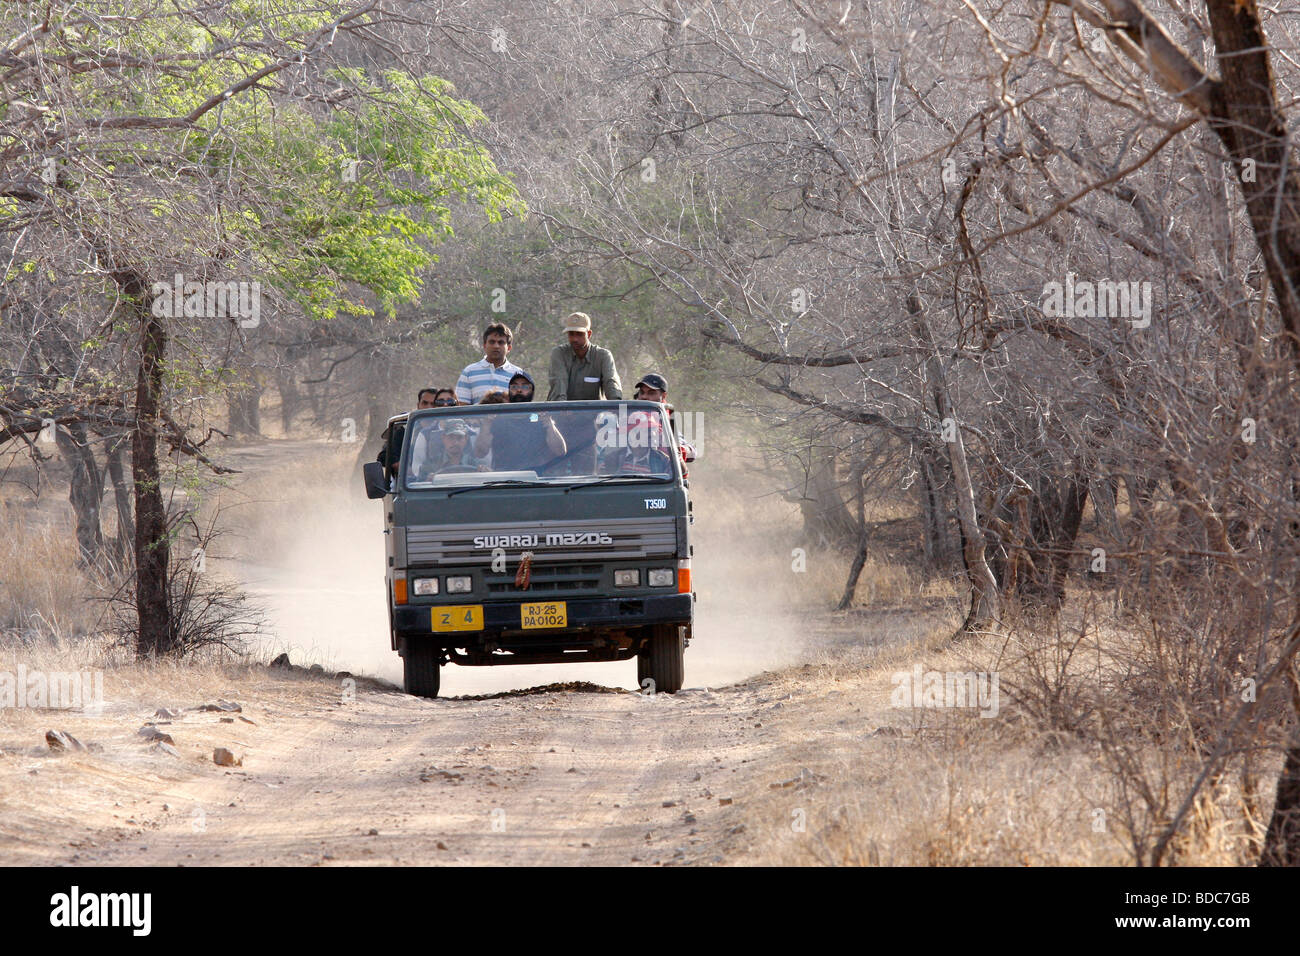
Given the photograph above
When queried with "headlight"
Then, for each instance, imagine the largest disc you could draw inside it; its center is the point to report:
(627, 578)
(460, 585)
(660, 577)
(423, 587)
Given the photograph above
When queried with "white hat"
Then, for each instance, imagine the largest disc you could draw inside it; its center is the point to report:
(577, 322)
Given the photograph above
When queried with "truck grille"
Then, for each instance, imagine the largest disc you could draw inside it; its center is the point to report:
(632, 539)
(547, 579)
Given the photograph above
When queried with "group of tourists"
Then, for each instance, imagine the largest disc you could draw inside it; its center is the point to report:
(579, 371)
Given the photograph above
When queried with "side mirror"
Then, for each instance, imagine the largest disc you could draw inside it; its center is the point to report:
(376, 480)
(688, 452)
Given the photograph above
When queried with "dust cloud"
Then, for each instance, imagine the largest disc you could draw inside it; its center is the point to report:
(311, 555)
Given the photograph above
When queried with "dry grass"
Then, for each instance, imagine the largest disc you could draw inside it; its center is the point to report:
(1151, 708)
(47, 596)
(43, 592)
(928, 787)
(886, 785)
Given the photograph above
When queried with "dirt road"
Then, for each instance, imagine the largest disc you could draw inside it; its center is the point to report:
(337, 775)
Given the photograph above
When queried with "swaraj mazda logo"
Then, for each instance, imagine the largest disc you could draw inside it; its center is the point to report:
(558, 539)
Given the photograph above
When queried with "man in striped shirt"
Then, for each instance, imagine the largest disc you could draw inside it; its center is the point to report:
(492, 372)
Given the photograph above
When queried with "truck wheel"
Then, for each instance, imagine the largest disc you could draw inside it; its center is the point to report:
(663, 660)
(421, 671)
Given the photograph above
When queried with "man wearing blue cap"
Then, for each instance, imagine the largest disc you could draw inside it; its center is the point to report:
(653, 387)
(520, 442)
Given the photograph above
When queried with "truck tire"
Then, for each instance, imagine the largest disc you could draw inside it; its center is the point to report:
(421, 671)
(663, 660)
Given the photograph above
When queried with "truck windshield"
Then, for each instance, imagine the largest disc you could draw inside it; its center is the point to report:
(508, 445)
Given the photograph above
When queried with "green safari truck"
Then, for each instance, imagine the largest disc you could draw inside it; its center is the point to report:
(538, 533)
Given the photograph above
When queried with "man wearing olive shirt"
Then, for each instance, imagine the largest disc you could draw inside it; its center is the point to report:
(581, 371)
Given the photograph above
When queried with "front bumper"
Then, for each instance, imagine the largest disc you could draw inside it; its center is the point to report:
(612, 613)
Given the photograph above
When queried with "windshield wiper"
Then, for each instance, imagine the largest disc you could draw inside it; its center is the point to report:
(658, 479)
(518, 482)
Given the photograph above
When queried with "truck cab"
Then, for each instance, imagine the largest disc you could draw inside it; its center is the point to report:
(537, 533)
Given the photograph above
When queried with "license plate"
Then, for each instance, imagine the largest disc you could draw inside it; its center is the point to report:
(457, 617)
(546, 614)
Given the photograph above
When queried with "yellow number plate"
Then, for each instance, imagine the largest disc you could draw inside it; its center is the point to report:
(458, 617)
(547, 614)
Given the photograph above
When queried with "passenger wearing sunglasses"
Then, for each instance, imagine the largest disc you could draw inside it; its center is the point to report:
(392, 449)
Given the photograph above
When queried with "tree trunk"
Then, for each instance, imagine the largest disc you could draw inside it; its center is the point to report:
(826, 518)
(855, 572)
(1141, 505)
(371, 434)
(246, 410)
(1074, 498)
(317, 395)
(860, 558)
(1248, 120)
(290, 400)
(1054, 524)
(933, 479)
(152, 549)
(985, 606)
(1105, 498)
(86, 490)
(1282, 840)
(116, 447)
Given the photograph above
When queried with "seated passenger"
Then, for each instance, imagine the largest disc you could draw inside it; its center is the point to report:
(442, 398)
(388, 455)
(653, 387)
(608, 451)
(524, 442)
(642, 448)
(454, 453)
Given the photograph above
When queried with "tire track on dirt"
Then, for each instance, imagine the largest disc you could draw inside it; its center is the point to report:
(560, 777)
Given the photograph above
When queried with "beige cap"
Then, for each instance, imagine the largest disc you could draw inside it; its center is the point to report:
(577, 322)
